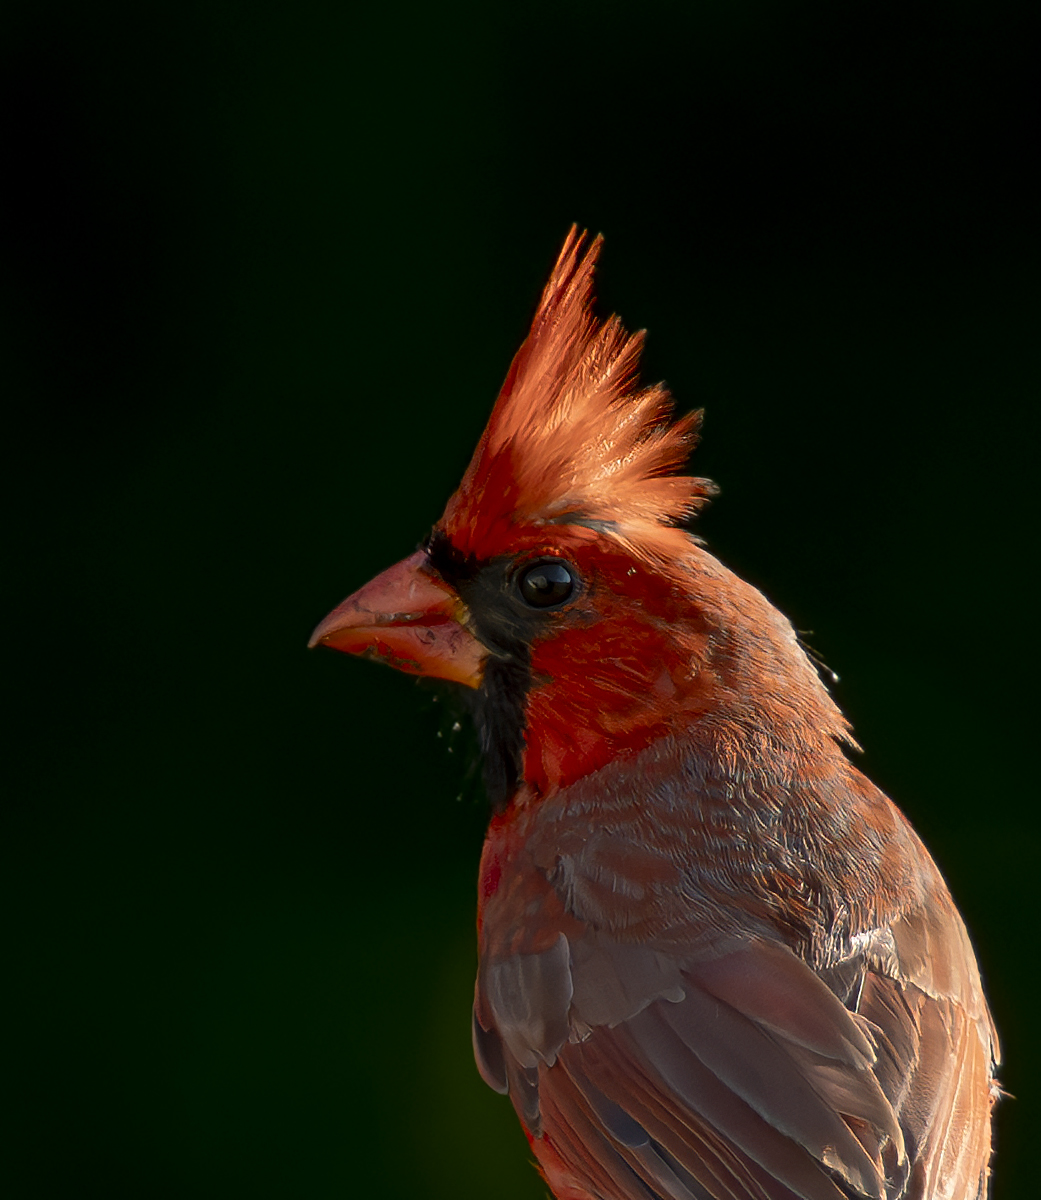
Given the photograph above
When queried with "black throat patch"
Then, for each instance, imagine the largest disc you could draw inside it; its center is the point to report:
(498, 710)
(498, 705)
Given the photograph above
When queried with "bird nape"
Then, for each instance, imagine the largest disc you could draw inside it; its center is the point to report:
(715, 960)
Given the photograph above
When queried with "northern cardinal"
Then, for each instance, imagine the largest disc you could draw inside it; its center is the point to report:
(715, 960)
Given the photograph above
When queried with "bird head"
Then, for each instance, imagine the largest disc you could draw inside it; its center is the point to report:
(561, 586)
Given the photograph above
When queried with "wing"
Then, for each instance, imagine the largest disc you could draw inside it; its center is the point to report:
(667, 1056)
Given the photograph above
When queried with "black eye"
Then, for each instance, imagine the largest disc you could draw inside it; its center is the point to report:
(546, 583)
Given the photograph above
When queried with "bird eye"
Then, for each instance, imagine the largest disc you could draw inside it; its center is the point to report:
(545, 584)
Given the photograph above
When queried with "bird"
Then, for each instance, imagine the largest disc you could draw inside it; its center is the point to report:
(715, 960)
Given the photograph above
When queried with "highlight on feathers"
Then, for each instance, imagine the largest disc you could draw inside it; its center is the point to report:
(573, 438)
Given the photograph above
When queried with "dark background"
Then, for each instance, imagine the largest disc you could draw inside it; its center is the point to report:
(264, 267)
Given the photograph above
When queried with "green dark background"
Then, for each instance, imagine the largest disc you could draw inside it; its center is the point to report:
(264, 267)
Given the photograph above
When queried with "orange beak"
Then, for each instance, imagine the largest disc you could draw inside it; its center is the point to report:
(408, 619)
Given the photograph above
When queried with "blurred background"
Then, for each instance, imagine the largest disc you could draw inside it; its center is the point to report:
(263, 269)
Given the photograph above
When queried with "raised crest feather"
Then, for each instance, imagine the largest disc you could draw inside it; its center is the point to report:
(573, 438)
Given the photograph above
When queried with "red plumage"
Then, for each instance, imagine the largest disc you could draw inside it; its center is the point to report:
(715, 961)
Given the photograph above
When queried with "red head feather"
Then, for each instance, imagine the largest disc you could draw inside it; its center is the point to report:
(574, 439)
